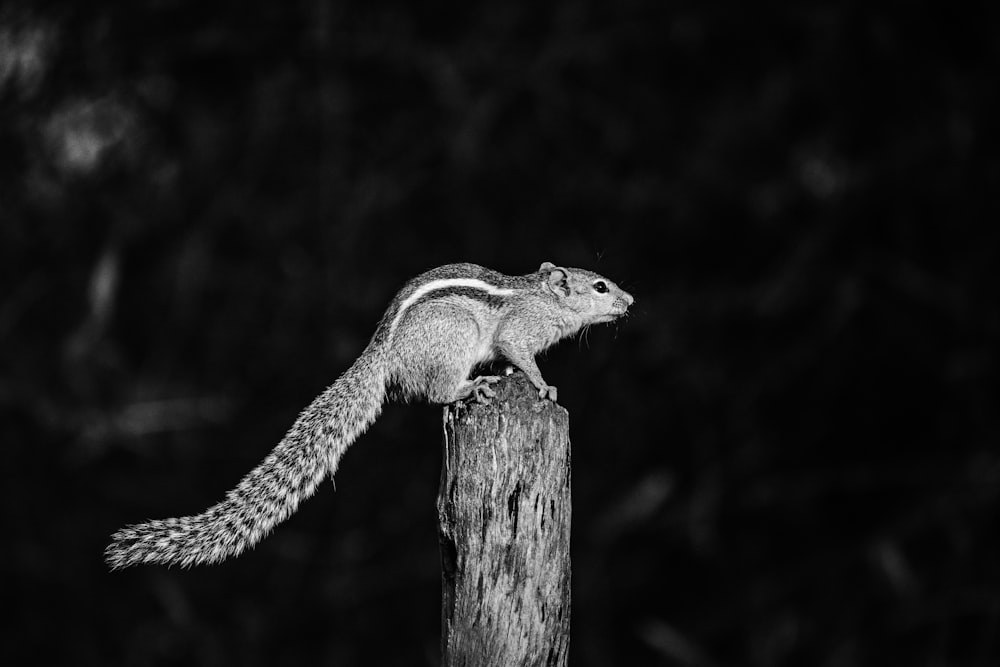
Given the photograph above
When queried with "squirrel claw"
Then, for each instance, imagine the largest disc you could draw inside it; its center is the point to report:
(481, 391)
(483, 394)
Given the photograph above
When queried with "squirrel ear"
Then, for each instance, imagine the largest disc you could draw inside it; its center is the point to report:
(556, 279)
(546, 266)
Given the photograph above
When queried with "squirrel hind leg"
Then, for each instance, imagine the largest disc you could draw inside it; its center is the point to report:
(448, 382)
(478, 389)
(439, 345)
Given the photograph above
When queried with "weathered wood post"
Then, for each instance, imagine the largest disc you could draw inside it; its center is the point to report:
(504, 525)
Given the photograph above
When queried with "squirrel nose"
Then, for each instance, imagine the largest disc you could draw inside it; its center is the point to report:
(628, 298)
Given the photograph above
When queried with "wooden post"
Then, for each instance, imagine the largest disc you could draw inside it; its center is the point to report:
(504, 524)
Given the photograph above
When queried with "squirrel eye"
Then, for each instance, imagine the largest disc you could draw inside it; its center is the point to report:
(600, 287)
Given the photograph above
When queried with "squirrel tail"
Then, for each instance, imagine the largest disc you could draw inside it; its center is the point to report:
(272, 491)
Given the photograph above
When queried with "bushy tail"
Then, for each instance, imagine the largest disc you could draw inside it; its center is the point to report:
(272, 491)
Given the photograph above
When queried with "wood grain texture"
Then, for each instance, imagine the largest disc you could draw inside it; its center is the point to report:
(504, 524)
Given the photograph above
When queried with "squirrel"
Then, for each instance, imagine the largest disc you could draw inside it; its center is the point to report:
(438, 328)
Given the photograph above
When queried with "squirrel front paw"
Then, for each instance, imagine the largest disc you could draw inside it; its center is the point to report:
(548, 391)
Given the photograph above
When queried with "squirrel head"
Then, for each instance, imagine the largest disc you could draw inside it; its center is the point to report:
(592, 297)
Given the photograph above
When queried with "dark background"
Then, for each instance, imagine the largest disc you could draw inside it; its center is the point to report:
(788, 455)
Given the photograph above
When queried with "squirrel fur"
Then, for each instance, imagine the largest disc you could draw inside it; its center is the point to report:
(438, 328)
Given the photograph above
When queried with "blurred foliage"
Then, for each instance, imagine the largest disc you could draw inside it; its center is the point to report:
(788, 455)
